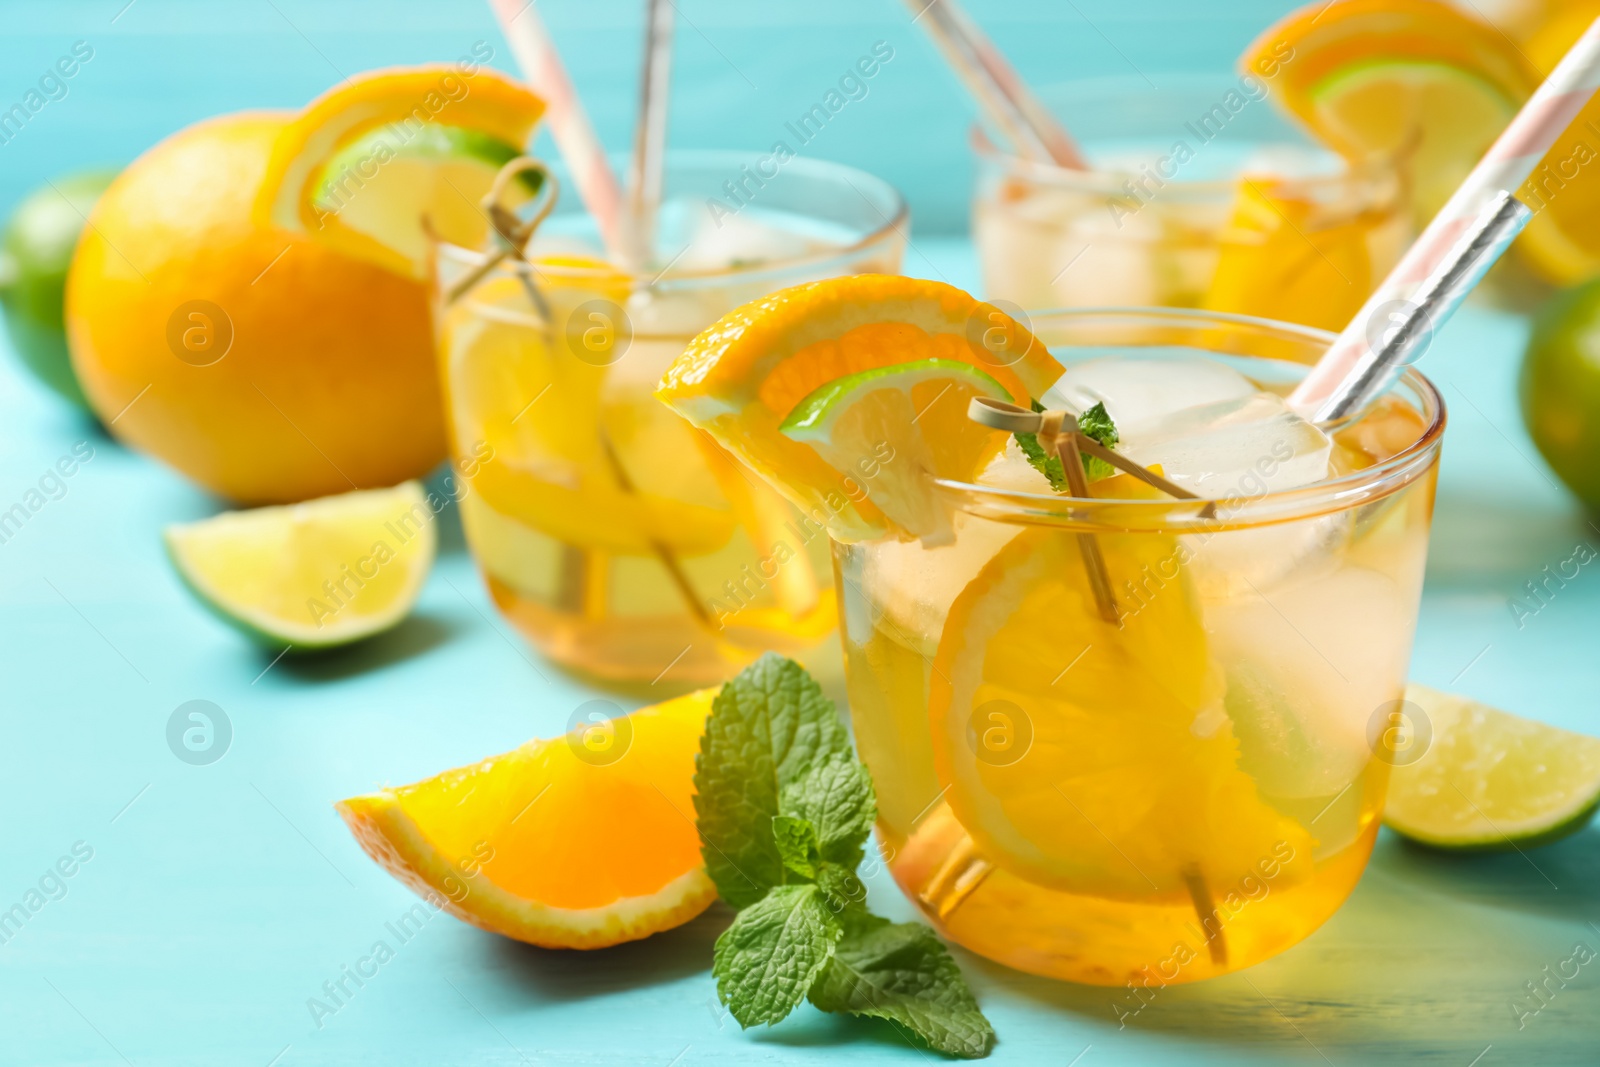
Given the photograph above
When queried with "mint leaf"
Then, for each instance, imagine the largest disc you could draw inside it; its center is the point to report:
(836, 798)
(797, 845)
(772, 954)
(843, 891)
(769, 726)
(1095, 423)
(902, 972)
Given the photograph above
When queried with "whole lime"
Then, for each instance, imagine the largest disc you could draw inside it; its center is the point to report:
(1560, 389)
(35, 252)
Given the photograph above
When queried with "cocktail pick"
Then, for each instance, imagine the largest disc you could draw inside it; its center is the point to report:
(648, 168)
(1506, 166)
(586, 161)
(994, 83)
(1058, 432)
(511, 236)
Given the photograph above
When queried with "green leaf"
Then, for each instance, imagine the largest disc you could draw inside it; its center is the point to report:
(836, 797)
(797, 845)
(903, 973)
(841, 888)
(769, 727)
(772, 954)
(1095, 423)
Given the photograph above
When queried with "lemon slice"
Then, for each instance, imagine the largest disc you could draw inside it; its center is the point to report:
(1418, 80)
(894, 427)
(510, 844)
(1488, 780)
(311, 575)
(408, 102)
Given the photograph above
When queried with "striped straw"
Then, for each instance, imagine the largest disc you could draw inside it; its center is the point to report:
(569, 125)
(994, 83)
(1506, 166)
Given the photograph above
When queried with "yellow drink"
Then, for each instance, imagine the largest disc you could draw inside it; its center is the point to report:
(619, 540)
(1200, 196)
(1189, 791)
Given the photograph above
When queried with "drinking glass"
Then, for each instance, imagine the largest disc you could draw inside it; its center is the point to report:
(1198, 787)
(623, 543)
(1200, 195)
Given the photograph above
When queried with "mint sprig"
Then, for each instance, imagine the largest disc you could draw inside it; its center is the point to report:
(784, 810)
(1095, 423)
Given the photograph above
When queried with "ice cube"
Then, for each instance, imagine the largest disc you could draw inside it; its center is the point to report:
(1307, 667)
(1239, 446)
(1010, 470)
(745, 238)
(1142, 392)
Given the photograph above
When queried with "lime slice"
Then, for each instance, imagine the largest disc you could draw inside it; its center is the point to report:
(891, 428)
(311, 575)
(396, 182)
(1489, 780)
(1442, 116)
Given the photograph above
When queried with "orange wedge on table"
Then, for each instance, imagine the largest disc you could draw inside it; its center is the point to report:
(1416, 80)
(741, 378)
(580, 841)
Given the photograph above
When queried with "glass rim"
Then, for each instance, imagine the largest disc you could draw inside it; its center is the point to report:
(863, 183)
(1381, 167)
(1107, 515)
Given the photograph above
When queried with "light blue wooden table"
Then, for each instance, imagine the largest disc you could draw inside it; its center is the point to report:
(216, 900)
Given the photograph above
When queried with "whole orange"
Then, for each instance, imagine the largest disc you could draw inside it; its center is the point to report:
(262, 364)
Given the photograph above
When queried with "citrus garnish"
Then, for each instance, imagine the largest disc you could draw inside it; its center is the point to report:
(395, 187)
(913, 415)
(581, 841)
(1291, 258)
(294, 191)
(1414, 79)
(1562, 242)
(311, 575)
(1490, 780)
(744, 375)
(1118, 777)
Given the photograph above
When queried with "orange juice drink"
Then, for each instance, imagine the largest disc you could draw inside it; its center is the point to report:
(1199, 195)
(1176, 788)
(619, 540)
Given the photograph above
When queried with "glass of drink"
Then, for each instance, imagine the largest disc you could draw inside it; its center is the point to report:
(1200, 195)
(1196, 786)
(620, 541)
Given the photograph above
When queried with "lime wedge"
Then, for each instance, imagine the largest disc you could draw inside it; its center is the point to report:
(311, 575)
(889, 429)
(1488, 780)
(397, 181)
(1443, 117)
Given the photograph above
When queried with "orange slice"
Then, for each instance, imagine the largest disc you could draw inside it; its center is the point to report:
(1117, 779)
(1562, 243)
(744, 375)
(484, 102)
(1417, 79)
(581, 841)
(1290, 258)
